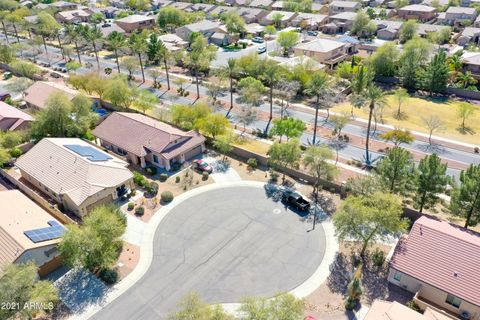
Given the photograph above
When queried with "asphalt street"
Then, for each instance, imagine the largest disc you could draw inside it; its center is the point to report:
(348, 151)
(223, 244)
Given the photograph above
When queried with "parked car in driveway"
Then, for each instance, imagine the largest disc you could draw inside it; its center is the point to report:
(261, 50)
(202, 166)
(312, 33)
(257, 40)
(296, 200)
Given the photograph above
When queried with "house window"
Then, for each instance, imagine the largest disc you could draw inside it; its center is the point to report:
(397, 276)
(454, 301)
(155, 159)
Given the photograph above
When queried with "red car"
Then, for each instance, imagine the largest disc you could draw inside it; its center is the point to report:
(202, 166)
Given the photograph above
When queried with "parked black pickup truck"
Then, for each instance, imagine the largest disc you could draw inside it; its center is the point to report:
(296, 200)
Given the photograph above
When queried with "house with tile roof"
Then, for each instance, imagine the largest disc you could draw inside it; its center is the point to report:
(143, 140)
(36, 96)
(417, 11)
(75, 174)
(324, 51)
(386, 310)
(438, 261)
(136, 22)
(19, 216)
(13, 119)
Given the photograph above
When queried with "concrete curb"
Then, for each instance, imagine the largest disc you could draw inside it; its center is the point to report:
(146, 252)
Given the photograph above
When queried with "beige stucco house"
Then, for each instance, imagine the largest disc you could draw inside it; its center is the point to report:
(325, 51)
(143, 140)
(417, 11)
(18, 216)
(136, 22)
(75, 174)
(438, 262)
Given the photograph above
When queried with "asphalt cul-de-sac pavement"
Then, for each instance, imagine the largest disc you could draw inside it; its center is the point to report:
(223, 244)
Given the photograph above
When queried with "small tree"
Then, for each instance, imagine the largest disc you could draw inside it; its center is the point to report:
(316, 161)
(96, 244)
(213, 125)
(400, 96)
(130, 64)
(246, 115)
(192, 307)
(369, 219)
(431, 181)
(339, 122)
(465, 110)
(284, 155)
(20, 284)
(396, 170)
(286, 40)
(465, 199)
(398, 136)
(281, 307)
(408, 30)
(289, 127)
(433, 123)
(223, 144)
(145, 100)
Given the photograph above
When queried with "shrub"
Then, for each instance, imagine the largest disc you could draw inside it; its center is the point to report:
(133, 193)
(166, 196)
(151, 170)
(139, 211)
(205, 176)
(177, 179)
(139, 179)
(252, 163)
(378, 257)
(350, 303)
(16, 152)
(109, 276)
(131, 205)
(273, 176)
(152, 188)
(163, 177)
(476, 150)
(414, 306)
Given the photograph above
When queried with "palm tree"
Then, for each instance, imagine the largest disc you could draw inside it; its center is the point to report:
(92, 35)
(316, 87)
(271, 76)
(373, 97)
(115, 41)
(72, 33)
(164, 54)
(466, 78)
(139, 45)
(230, 69)
(3, 17)
(46, 27)
(455, 64)
(15, 18)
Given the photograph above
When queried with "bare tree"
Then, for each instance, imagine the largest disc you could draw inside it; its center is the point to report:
(286, 90)
(433, 123)
(246, 116)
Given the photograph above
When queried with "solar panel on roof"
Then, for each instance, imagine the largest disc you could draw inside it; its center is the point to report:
(56, 230)
(88, 152)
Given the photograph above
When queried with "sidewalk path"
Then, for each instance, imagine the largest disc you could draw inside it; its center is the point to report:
(222, 172)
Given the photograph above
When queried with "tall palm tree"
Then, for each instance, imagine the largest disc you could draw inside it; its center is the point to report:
(46, 27)
(139, 45)
(316, 87)
(93, 35)
(164, 55)
(3, 17)
(373, 97)
(230, 69)
(271, 76)
(73, 34)
(115, 41)
(15, 18)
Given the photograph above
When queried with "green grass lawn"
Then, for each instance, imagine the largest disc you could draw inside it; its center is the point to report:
(415, 109)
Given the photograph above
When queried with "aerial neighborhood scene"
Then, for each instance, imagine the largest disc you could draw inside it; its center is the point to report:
(240, 159)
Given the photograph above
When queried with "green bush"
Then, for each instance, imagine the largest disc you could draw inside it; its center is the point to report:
(166, 196)
(252, 163)
(378, 257)
(139, 211)
(89, 136)
(414, 306)
(109, 276)
(139, 179)
(16, 152)
(163, 177)
(152, 188)
(151, 170)
(131, 205)
(177, 179)
(205, 176)
(133, 193)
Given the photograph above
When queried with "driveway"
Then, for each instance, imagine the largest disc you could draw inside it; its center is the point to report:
(224, 243)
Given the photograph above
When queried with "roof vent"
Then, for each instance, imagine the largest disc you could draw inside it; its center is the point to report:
(455, 274)
(421, 231)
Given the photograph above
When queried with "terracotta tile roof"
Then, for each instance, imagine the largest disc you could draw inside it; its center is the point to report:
(65, 172)
(442, 255)
(139, 134)
(9, 112)
(386, 310)
(39, 92)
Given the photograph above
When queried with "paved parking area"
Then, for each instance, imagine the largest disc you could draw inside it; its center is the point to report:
(224, 244)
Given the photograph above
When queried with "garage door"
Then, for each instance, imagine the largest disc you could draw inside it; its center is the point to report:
(194, 152)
